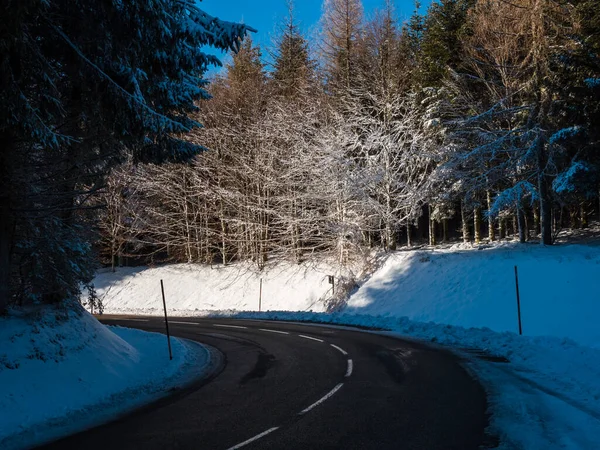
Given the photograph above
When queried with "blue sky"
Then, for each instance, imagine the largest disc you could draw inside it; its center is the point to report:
(265, 14)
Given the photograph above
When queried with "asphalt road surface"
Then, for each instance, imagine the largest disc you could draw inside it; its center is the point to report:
(292, 386)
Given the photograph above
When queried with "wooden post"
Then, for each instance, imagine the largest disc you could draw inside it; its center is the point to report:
(518, 300)
(260, 296)
(162, 289)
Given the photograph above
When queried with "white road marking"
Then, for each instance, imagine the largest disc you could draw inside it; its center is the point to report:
(318, 402)
(255, 438)
(184, 323)
(133, 320)
(311, 338)
(343, 352)
(229, 326)
(273, 331)
(350, 366)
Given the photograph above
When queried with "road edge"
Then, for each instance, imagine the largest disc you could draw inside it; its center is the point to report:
(145, 397)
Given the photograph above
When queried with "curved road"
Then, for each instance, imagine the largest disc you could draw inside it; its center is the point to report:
(292, 386)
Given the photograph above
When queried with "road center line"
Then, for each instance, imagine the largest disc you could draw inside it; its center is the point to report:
(228, 326)
(350, 366)
(255, 438)
(133, 320)
(318, 402)
(343, 352)
(273, 331)
(311, 338)
(183, 323)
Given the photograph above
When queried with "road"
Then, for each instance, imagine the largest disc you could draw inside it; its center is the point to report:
(293, 386)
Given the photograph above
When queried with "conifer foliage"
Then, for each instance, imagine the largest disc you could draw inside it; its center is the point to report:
(83, 84)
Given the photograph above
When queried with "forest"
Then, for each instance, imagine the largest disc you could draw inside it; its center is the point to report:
(473, 121)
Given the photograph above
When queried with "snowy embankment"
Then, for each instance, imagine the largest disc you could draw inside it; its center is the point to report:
(193, 288)
(559, 289)
(62, 371)
(546, 397)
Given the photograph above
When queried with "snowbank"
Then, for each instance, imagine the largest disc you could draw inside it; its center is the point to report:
(559, 287)
(194, 287)
(62, 371)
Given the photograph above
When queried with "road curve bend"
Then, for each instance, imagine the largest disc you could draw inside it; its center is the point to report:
(294, 386)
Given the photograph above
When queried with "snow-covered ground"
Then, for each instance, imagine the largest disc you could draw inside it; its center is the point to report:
(192, 288)
(62, 371)
(546, 397)
(559, 288)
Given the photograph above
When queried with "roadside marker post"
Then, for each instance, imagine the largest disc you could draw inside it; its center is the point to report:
(518, 300)
(260, 296)
(332, 283)
(162, 289)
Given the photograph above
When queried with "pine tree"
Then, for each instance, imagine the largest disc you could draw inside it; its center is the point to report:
(441, 40)
(294, 70)
(82, 83)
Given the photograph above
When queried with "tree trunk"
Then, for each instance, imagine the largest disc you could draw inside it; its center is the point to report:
(445, 230)
(583, 216)
(477, 224)
(465, 224)
(432, 240)
(6, 237)
(408, 238)
(491, 229)
(521, 224)
(545, 203)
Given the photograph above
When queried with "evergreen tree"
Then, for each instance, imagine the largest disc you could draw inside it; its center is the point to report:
(293, 70)
(82, 82)
(441, 40)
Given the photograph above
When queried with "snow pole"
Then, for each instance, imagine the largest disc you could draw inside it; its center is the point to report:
(162, 289)
(260, 296)
(518, 300)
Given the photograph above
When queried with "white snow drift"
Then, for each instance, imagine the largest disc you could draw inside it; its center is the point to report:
(559, 286)
(193, 287)
(559, 289)
(62, 371)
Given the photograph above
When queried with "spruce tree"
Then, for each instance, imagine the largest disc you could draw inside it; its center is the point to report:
(293, 68)
(441, 40)
(83, 83)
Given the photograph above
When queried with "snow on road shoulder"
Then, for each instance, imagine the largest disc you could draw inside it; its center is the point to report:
(559, 287)
(460, 286)
(62, 371)
(546, 397)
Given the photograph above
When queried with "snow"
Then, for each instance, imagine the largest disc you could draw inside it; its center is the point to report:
(460, 285)
(191, 288)
(61, 371)
(546, 397)
(565, 182)
(476, 288)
